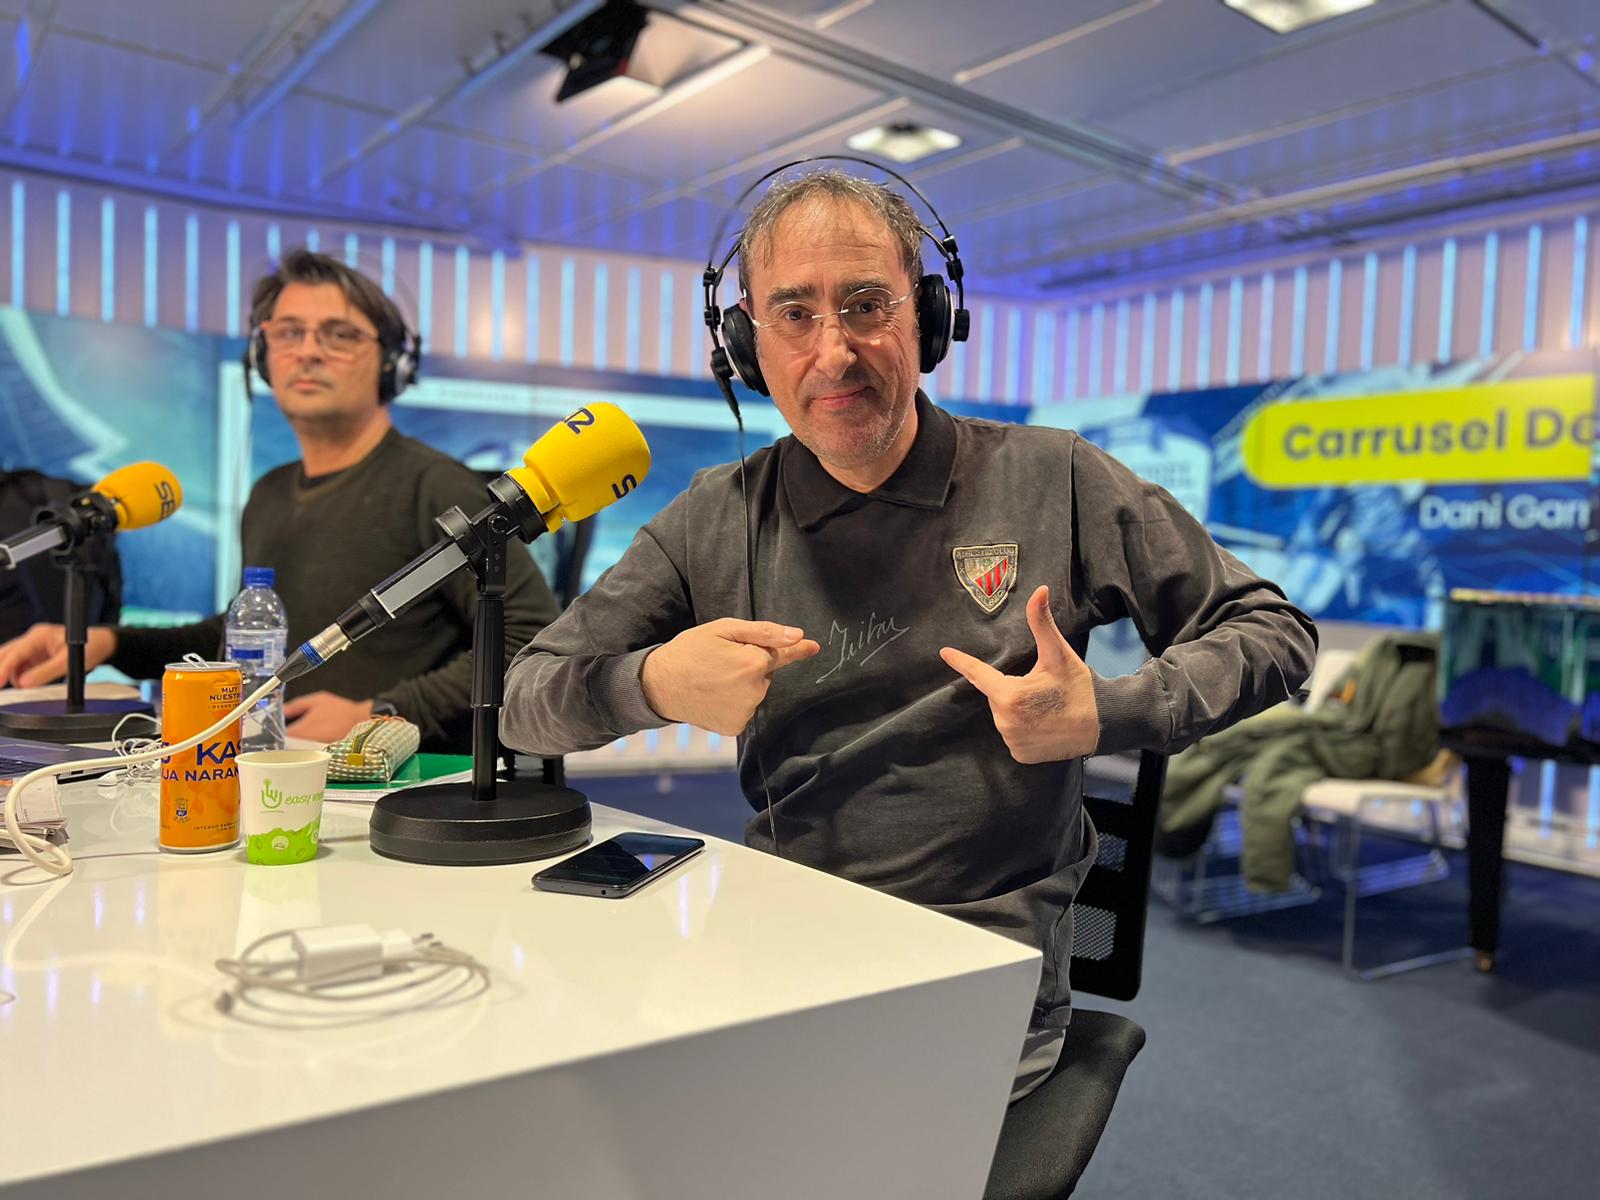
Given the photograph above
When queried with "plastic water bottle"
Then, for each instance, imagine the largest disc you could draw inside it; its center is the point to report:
(257, 632)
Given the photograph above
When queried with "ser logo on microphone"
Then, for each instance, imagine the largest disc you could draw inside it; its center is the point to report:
(628, 483)
(168, 498)
(579, 421)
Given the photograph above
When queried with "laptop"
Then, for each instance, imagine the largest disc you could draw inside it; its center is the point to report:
(18, 756)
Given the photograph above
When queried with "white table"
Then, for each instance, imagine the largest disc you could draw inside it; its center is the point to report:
(745, 1027)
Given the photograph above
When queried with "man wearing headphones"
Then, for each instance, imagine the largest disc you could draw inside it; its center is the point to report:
(357, 506)
(900, 650)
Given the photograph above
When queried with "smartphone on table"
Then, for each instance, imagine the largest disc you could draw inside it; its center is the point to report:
(618, 866)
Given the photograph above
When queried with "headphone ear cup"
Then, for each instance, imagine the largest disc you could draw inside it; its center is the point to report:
(933, 321)
(255, 355)
(399, 370)
(739, 337)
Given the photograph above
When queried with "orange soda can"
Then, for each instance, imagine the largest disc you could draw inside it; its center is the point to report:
(200, 785)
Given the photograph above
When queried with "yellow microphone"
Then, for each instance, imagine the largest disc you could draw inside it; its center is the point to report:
(589, 459)
(141, 494)
(586, 461)
(131, 497)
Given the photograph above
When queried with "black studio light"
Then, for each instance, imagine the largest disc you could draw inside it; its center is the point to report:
(598, 47)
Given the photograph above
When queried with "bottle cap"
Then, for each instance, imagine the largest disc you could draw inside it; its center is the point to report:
(259, 577)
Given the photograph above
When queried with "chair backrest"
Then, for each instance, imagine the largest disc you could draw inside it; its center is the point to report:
(1109, 913)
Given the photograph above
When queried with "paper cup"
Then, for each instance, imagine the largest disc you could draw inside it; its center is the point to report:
(280, 804)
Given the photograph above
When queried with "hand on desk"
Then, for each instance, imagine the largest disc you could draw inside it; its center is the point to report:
(1049, 714)
(322, 716)
(716, 675)
(40, 655)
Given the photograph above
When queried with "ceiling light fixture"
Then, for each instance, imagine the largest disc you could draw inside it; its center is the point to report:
(1288, 16)
(598, 47)
(903, 141)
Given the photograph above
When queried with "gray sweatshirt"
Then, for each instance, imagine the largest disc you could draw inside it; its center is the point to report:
(884, 765)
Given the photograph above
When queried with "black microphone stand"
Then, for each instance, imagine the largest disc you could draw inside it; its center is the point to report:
(492, 819)
(75, 719)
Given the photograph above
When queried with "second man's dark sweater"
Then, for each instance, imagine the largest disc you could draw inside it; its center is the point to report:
(333, 538)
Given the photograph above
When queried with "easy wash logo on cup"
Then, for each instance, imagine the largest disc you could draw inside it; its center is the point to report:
(273, 799)
(1525, 431)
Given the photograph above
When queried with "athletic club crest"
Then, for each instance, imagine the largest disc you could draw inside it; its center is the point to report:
(987, 572)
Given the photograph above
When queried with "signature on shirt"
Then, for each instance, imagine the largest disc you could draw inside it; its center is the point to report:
(859, 643)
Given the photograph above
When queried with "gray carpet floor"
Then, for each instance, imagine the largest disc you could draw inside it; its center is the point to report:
(1269, 1073)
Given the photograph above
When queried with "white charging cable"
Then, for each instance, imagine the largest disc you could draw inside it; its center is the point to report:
(47, 856)
(346, 964)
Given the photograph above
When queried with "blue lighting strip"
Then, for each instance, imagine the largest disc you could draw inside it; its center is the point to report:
(1097, 339)
(1269, 284)
(108, 259)
(1408, 302)
(986, 351)
(313, 240)
(1530, 295)
(664, 326)
(1119, 354)
(602, 315)
(1044, 358)
(1147, 344)
(274, 243)
(1013, 373)
(1070, 367)
(387, 258)
(63, 252)
(191, 273)
(425, 292)
(530, 317)
(1235, 329)
(1447, 303)
(1547, 796)
(234, 284)
(497, 305)
(152, 266)
(1202, 341)
(1369, 308)
(569, 291)
(1297, 336)
(698, 364)
(631, 350)
(19, 242)
(1330, 352)
(463, 295)
(352, 250)
(1175, 344)
(1491, 284)
(1593, 839)
(958, 369)
(1580, 285)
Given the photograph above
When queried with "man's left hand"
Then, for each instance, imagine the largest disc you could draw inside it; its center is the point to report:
(1049, 714)
(323, 717)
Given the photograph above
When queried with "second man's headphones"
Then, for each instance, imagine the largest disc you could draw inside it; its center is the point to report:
(733, 333)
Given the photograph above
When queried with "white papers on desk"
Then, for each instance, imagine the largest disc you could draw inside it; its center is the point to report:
(40, 813)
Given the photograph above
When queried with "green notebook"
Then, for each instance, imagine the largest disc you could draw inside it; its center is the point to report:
(419, 768)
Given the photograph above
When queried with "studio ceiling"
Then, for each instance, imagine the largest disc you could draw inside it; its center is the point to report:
(1099, 137)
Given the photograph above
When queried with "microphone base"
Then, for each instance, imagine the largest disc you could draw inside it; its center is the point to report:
(49, 720)
(442, 825)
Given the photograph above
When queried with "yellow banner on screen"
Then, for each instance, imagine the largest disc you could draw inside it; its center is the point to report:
(1525, 430)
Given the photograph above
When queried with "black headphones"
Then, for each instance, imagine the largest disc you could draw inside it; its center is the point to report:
(733, 333)
(397, 372)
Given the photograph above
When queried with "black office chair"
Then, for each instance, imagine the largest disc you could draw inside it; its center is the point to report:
(1049, 1135)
